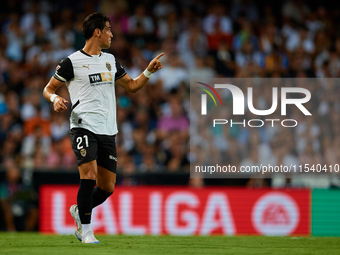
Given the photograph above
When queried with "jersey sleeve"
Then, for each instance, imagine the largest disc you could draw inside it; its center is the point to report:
(64, 71)
(120, 71)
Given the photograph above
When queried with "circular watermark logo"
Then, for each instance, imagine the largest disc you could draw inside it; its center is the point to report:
(275, 214)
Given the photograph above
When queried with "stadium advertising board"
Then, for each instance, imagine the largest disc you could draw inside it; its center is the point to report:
(183, 211)
(325, 212)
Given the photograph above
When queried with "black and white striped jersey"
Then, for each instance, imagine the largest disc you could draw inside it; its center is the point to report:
(90, 81)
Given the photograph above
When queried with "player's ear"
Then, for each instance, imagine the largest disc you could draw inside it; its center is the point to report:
(97, 32)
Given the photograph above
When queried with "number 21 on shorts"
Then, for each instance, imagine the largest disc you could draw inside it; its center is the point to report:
(80, 141)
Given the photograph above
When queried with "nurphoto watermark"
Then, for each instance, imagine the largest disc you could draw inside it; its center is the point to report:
(264, 127)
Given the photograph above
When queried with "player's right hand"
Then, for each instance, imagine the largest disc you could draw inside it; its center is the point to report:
(59, 104)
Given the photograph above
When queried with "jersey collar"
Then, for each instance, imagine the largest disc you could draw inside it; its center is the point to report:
(88, 54)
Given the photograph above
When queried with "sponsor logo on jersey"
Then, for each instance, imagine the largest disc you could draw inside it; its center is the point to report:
(87, 66)
(57, 67)
(83, 152)
(108, 66)
(100, 77)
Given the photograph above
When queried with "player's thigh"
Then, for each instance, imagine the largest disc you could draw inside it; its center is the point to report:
(106, 179)
(85, 147)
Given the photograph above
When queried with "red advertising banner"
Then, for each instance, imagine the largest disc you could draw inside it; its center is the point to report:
(183, 211)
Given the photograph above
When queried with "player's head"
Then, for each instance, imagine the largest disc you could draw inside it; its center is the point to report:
(97, 25)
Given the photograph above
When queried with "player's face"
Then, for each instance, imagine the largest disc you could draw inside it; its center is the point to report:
(106, 36)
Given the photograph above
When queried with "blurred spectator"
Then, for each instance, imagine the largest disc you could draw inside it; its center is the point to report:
(307, 132)
(149, 163)
(334, 65)
(139, 138)
(59, 127)
(37, 36)
(15, 40)
(18, 201)
(163, 8)
(275, 61)
(169, 27)
(192, 43)
(253, 159)
(60, 155)
(177, 121)
(247, 56)
(173, 75)
(313, 24)
(295, 10)
(37, 121)
(218, 26)
(201, 70)
(175, 147)
(247, 7)
(36, 142)
(245, 35)
(300, 38)
(310, 157)
(6, 123)
(128, 178)
(196, 182)
(79, 40)
(270, 38)
(140, 23)
(225, 60)
(32, 107)
(117, 12)
(34, 15)
(64, 50)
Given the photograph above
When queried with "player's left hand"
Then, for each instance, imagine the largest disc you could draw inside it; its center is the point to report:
(155, 64)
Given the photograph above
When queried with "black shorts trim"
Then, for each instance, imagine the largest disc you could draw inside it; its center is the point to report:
(88, 146)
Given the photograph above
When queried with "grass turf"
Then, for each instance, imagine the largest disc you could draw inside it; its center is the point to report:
(34, 243)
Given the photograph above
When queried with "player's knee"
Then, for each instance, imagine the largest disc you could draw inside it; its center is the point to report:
(88, 170)
(108, 187)
(92, 175)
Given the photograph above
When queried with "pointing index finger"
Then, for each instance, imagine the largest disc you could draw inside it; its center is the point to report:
(159, 55)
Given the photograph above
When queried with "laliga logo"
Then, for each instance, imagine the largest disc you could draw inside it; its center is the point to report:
(238, 103)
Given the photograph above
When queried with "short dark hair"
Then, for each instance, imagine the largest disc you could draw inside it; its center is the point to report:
(93, 21)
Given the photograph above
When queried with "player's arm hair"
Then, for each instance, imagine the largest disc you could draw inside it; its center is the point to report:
(132, 85)
(51, 88)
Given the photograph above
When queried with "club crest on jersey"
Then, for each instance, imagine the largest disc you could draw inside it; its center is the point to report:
(108, 66)
(83, 152)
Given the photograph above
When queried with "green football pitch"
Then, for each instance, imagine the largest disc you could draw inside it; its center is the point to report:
(33, 243)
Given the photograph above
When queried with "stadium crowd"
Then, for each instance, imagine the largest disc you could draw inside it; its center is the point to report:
(200, 38)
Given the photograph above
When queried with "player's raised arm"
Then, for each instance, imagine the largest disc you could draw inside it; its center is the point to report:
(49, 94)
(133, 85)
